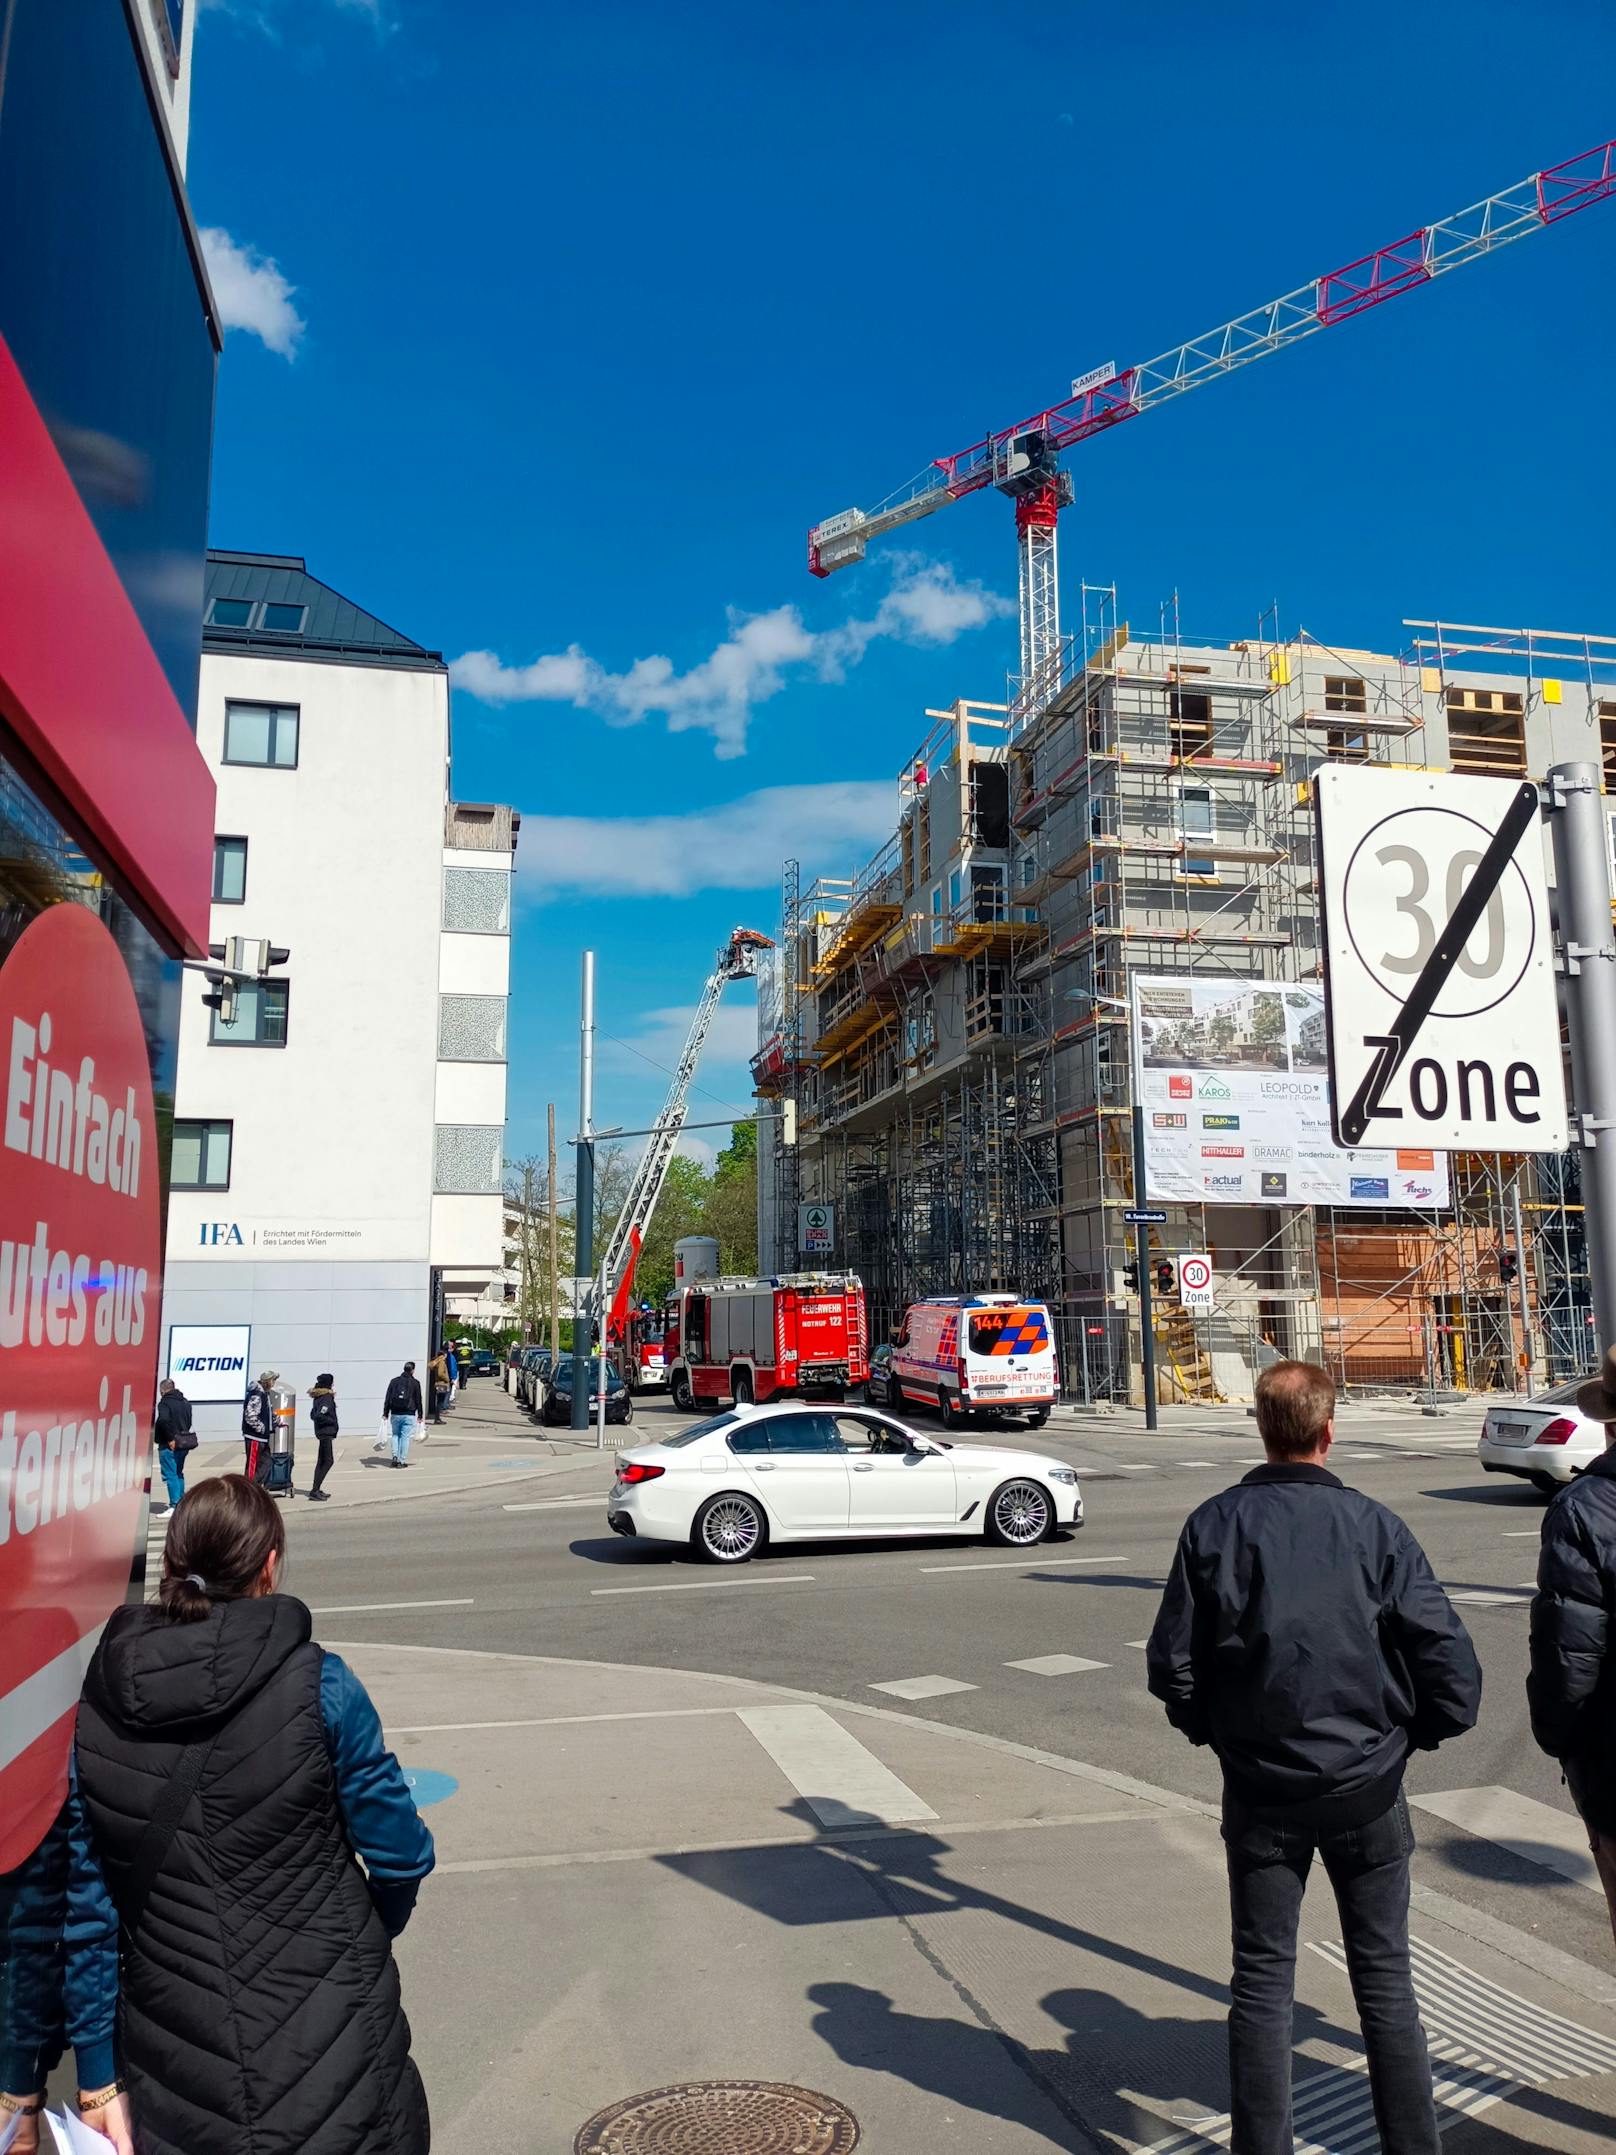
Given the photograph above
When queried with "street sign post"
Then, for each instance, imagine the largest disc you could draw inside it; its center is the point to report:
(1442, 1018)
(1582, 885)
(1140, 1217)
(816, 1229)
(1195, 1284)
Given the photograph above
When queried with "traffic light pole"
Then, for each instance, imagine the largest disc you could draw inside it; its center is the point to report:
(1141, 1244)
(1582, 886)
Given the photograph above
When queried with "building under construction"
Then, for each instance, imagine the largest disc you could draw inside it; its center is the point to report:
(954, 1018)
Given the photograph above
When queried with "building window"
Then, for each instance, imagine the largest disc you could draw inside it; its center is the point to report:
(477, 901)
(201, 1156)
(1190, 722)
(1607, 741)
(262, 734)
(260, 1019)
(1346, 692)
(471, 1028)
(467, 1159)
(229, 871)
(230, 613)
(1486, 731)
(287, 619)
(1195, 816)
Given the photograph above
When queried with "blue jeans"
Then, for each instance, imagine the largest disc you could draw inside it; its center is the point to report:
(173, 1472)
(403, 1430)
(1368, 1869)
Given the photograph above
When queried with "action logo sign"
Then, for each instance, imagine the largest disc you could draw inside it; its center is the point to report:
(80, 1275)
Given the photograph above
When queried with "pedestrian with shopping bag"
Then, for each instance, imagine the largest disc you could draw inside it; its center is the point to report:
(257, 1424)
(323, 1421)
(438, 1378)
(401, 1410)
(175, 1438)
(1304, 1637)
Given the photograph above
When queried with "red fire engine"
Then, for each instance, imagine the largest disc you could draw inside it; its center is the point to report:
(746, 1340)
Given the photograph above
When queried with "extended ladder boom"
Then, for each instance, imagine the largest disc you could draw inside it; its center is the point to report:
(736, 961)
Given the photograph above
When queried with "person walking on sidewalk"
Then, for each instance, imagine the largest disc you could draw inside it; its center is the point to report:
(257, 1421)
(438, 1378)
(1303, 1636)
(452, 1363)
(175, 1437)
(1571, 1686)
(401, 1404)
(230, 1980)
(323, 1420)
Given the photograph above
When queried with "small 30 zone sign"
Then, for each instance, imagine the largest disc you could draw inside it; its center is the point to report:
(1442, 1016)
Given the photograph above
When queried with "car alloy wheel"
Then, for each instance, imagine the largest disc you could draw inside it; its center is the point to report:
(729, 1530)
(1019, 1515)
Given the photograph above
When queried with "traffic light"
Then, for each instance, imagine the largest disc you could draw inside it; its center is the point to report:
(1508, 1266)
(1130, 1278)
(1165, 1276)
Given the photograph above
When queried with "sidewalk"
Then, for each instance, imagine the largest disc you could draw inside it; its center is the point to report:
(647, 1878)
(484, 1440)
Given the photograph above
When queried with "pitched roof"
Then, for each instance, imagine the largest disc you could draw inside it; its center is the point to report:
(332, 628)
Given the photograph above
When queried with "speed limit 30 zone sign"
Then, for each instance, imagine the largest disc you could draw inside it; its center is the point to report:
(1443, 1022)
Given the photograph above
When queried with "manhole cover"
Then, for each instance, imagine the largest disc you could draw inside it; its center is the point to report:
(721, 2117)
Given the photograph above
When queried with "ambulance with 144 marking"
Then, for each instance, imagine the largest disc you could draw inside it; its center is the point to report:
(988, 1354)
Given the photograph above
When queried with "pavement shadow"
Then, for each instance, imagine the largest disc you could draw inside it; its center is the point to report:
(1520, 1496)
(1527, 1863)
(1136, 1580)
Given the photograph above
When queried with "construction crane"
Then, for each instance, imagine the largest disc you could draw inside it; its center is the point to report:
(736, 961)
(1023, 460)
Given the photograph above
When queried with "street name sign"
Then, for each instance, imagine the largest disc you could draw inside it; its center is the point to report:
(1195, 1283)
(1443, 1023)
(1145, 1219)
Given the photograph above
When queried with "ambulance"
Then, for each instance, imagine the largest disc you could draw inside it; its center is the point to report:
(987, 1354)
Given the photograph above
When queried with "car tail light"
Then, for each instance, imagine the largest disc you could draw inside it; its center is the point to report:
(638, 1473)
(1557, 1432)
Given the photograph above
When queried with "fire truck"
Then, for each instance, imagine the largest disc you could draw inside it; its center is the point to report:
(644, 1360)
(802, 1334)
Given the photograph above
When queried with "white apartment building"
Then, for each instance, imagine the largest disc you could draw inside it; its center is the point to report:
(338, 1145)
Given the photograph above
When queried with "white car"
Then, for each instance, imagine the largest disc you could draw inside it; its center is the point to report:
(789, 1472)
(1545, 1441)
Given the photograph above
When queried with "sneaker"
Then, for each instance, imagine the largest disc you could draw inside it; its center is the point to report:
(318, 1496)
(158, 1511)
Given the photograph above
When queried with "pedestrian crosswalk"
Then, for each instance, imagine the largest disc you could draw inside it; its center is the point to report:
(1485, 2042)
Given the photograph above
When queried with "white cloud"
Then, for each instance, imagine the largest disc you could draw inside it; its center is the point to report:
(252, 292)
(927, 604)
(738, 845)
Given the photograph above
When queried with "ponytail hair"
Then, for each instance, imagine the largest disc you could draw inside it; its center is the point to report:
(222, 1534)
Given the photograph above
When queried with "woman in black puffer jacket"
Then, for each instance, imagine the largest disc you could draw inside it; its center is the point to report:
(229, 1774)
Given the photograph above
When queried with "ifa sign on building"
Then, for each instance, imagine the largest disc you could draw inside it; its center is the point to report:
(1443, 1020)
(80, 1274)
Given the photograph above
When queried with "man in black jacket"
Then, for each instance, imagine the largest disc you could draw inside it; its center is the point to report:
(401, 1404)
(175, 1437)
(257, 1423)
(1303, 1636)
(1571, 1689)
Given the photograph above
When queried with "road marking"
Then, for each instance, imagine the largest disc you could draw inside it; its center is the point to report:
(1056, 1665)
(1138, 1466)
(1142, 1644)
(1197, 1462)
(557, 1503)
(644, 1713)
(1543, 1835)
(367, 1608)
(1523, 1533)
(697, 1586)
(841, 1782)
(921, 1687)
(1023, 1563)
(1495, 1597)
(1484, 2043)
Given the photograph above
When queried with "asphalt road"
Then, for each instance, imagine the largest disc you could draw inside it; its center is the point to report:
(532, 1569)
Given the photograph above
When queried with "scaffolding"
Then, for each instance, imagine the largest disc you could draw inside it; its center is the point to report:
(962, 1049)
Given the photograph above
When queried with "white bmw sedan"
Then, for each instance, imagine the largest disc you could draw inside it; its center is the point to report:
(787, 1472)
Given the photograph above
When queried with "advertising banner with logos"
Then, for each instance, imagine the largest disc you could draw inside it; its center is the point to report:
(1234, 1081)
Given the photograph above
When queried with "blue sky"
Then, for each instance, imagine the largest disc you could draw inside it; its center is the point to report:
(560, 326)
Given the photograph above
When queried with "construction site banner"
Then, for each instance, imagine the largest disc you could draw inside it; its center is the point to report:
(1234, 1081)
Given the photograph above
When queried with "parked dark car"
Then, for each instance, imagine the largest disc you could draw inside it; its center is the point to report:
(881, 1387)
(557, 1405)
(532, 1373)
(483, 1363)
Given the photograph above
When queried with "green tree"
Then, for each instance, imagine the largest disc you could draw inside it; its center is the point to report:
(731, 1211)
(680, 1210)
